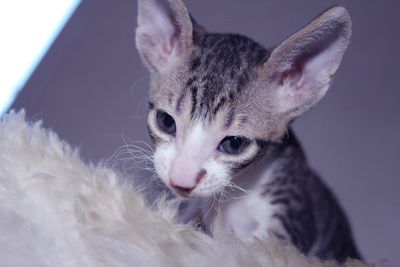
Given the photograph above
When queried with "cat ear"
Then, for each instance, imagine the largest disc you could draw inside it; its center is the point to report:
(302, 66)
(164, 32)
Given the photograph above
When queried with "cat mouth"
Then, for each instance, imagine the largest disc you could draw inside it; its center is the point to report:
(182, 192)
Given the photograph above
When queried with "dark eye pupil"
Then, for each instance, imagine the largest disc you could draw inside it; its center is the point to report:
(166, 123)
(233, 145)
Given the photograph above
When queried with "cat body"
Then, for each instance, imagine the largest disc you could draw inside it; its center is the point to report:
(219, 112)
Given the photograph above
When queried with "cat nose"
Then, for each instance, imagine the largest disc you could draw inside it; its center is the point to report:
(181, 190)
(184, 187)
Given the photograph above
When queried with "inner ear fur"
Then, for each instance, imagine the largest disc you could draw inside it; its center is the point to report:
(164, 32)
(301, 67)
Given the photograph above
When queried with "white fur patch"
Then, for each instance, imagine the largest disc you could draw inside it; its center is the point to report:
(251, 217)
(163, 156)
(218, 177)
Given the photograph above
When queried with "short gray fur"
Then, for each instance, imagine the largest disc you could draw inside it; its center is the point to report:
(306, 207)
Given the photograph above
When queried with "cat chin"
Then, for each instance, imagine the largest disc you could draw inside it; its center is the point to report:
(193, 195)
(205, 195)
(181, 197)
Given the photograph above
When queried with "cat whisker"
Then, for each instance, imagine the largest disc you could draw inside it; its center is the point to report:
(210, 207)
(138, 154)
(232, 185)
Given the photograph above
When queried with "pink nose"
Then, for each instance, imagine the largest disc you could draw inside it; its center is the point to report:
(185, 186)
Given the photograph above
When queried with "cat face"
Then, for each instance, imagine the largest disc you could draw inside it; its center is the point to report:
(218, 100)
(202, 127)
(198, 158)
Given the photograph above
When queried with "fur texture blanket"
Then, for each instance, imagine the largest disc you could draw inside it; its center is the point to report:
(55, 210)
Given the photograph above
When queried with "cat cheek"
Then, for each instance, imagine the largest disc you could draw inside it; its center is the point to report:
(217, 178)
(163, 158)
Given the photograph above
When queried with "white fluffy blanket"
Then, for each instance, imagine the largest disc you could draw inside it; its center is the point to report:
(55, 210)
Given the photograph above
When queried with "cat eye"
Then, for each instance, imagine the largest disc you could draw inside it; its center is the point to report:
(165, 122)
(233, 145)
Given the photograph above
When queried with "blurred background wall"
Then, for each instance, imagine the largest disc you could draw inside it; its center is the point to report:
(91, 88)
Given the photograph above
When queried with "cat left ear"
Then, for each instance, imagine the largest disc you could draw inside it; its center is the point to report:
(164, 32)
(302, 66)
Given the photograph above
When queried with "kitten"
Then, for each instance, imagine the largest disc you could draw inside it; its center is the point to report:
(220, 107)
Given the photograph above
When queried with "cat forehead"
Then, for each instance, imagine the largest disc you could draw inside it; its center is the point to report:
(216, 74)
(226, 54)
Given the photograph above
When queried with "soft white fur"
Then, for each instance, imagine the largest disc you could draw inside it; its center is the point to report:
(56, 210)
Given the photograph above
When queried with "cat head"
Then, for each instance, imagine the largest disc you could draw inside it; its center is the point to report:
(218, 100)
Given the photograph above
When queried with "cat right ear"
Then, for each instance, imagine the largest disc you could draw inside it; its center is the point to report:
(164, 32)
(302, 67)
